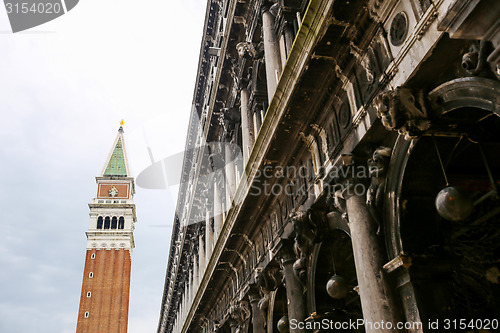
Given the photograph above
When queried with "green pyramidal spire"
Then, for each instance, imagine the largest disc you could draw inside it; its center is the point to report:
(117, 165)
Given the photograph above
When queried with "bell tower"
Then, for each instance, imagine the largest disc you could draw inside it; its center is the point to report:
(104, 299)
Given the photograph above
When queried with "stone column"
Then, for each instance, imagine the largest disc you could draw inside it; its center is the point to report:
(294, 292)
(190, 289)
(196, 277)
(182, 306)
(201, 255)
(271, 51)
(285, 40)
(258, 316)
(374, 290)
(247, 132)
(230, 168)
(209, 237)
(186, 299)
(288, 35)
(257, 119)
(217, 212)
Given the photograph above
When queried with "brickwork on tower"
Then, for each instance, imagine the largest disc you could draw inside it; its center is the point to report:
(105, 296)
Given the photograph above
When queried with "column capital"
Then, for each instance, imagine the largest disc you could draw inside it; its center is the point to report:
(351, 176)
(265, 7)
(254, 293)
(284, 251)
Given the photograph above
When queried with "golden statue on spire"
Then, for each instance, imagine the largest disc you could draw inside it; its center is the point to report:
(122, 123)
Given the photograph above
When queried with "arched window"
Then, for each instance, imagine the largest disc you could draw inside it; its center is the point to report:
(99, 222)
(121, 223)
(114, 222)
(106, 222)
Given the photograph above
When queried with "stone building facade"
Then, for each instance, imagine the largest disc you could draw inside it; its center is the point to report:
(341, 166)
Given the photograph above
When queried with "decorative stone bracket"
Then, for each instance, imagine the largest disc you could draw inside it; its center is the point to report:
(377, 167)
(403, 110)
(268, 279)
(240, 314)
(250, 50)
(310, 227)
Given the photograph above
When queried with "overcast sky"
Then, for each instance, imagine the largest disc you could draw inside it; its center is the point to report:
(64, 87)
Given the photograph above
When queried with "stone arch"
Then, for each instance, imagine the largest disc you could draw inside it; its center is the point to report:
(445, 264)
(114, 223)
(463, 93)
(329, 258)
(107, 222)
(121, 222)
(99, 222)
(277, 308)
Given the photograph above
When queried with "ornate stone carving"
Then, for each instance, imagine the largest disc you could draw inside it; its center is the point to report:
(250, 50)
(309, 228)
(403, 110)
(324, 141)
(399, 29)
(475, 61)
(378, 168)
(228, 119)
(336, 200)
(240, 314)
(268, 279)
(303, 242)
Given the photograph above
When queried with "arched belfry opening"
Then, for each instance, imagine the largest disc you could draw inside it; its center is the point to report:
(107, 223)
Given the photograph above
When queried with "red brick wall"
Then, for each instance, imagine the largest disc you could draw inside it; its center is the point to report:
(109, 287)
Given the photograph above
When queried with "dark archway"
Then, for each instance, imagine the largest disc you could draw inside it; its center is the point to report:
(106, 223)
(278, 309)
(454, 266)
(334, 257)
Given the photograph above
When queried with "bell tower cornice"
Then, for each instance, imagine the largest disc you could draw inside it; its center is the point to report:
(112, 211)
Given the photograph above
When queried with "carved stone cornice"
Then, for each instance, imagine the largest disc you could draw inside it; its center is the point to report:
(403, 110)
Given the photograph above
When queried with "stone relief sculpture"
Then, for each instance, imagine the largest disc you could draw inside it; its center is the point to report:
(403, 110)
(268, 280)
(377, 167)
(240, 314)
(250, 50)
(309, 228)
